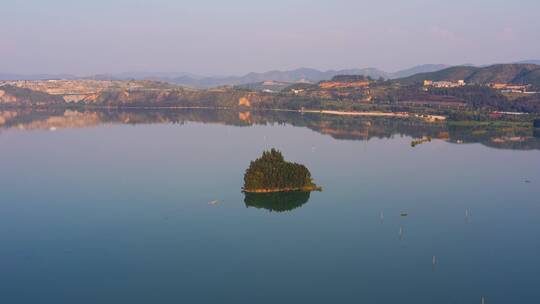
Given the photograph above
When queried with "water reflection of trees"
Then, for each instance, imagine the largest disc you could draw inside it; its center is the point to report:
(536, 133)
(277, 202)
(338, 127)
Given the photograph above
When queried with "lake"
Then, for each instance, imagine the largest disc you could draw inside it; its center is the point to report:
(146, 207)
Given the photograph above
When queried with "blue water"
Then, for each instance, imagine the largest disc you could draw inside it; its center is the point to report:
(120, 214)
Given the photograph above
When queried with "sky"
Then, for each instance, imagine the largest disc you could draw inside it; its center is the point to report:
(233, 37)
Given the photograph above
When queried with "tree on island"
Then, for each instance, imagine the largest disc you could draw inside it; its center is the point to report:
(271, 173)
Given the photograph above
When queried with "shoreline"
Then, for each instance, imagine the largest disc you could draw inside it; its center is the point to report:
(425, 117)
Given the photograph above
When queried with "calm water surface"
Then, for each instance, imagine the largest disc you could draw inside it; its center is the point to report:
(120, 213)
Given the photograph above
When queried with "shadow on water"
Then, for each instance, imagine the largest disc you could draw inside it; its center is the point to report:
(277, 202)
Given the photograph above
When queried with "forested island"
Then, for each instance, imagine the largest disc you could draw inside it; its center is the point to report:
(271, 173)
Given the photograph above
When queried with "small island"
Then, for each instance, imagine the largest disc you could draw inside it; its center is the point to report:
(271, 173)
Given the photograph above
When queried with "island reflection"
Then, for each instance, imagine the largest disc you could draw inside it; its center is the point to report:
(277, 201)
(338, 127)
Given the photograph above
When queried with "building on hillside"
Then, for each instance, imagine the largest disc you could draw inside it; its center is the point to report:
(444, 84)
(512, 88)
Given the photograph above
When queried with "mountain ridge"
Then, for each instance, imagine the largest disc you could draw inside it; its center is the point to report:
(514, 73)
(302, 74)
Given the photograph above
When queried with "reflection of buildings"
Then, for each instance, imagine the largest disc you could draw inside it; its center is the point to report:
(278, 201)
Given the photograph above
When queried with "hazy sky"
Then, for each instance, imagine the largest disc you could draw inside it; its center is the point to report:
(237, 36)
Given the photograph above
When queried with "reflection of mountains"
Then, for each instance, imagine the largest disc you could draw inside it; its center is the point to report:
(278, 202)
(339, 127)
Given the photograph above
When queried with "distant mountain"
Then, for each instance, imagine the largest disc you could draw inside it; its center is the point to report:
(425, 68)
(9, 76)
(498, 73)
(161, 76)
(307, 75)
(300, 75)
(293, 76)
(532, 61)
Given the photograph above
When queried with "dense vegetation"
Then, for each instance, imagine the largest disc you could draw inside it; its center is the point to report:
(466, 98)
(475, 96)
(271, 173)
(485, 98)
(27, 97)
(351, 78)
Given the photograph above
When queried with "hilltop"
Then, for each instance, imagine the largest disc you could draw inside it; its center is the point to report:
(498, 73)
(301, 75)
(12, 95)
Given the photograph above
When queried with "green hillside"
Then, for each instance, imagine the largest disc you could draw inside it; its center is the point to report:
(532, 77)
(499, 73)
